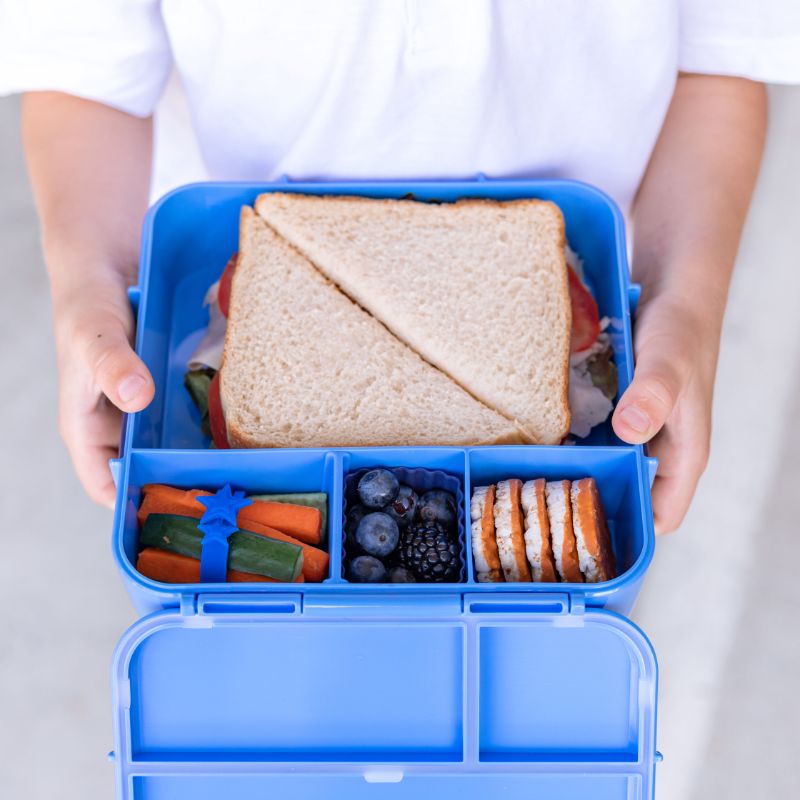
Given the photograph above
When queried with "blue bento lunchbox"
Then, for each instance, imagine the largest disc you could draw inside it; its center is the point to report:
(461, 690)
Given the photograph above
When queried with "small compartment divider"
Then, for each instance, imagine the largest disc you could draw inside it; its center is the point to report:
(471, 693)
(334, 480)
(468, 519)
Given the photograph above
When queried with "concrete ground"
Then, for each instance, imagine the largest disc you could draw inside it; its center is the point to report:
(719, 604)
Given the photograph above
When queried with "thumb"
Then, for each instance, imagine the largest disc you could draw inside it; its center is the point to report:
(658, 381)
(116, 369)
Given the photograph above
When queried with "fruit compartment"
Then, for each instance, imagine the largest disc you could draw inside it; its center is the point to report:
(420, 480)
(622, 479)
(426, 467)
(252, 471)
(191, 233)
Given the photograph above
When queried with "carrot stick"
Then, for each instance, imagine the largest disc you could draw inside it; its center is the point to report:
(159, 565)
(160, 499)
(300, 522)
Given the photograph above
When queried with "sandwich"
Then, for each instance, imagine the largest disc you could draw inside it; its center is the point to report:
(484, 543)
(565, 550)
(477, 287)
(535, 351)
(304, 366)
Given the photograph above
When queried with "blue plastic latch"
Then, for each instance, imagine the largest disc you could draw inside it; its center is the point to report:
(115, 465)
(217, 525)
(134, 295)
(652, 468)
(659, 757)
(634, 293)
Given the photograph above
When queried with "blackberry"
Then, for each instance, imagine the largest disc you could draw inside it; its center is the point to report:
(429, 553)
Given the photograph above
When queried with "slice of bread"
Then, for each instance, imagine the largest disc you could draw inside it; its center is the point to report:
(484, 543)
(478, 288)
(508, 528)
(592, 536)
(537, 532)
(304, 366)
(565, 552)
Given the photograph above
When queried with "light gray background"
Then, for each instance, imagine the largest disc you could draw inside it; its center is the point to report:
(720, 603)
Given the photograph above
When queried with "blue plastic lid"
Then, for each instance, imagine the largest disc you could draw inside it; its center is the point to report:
(253, 696)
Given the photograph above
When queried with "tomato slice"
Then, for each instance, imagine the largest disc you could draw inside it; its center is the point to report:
(585, 316)
(216, 419)
(224, 292)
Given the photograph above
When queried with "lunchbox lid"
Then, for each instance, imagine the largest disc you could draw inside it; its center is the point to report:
(248, 696)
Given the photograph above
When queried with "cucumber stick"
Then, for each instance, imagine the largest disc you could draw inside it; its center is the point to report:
(248, 552)
(318, 500)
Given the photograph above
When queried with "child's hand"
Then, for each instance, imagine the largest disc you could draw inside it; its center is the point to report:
(90, 169)
(99, 376)
(688, 218)
(668, 404)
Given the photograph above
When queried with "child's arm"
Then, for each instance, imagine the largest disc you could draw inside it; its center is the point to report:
(688, 218)
(90, 171)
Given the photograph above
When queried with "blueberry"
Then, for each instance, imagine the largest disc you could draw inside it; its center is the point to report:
(378, 488)
(438, 506)
(354, 516)
(366, 569)
(404, 506)
(401, 575)
(377, 534)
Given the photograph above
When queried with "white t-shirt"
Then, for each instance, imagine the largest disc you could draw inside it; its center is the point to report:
(323, 89)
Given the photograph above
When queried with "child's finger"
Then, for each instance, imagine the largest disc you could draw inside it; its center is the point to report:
(658, 381)
(117, 371)
(682, 457)
(92, 438)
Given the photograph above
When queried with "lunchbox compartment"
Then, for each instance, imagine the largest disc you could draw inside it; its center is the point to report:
(421, 468)
(192, 232)
(573, 705)
(252, 471)
(620, 480)
(442, 785)
(292, 691)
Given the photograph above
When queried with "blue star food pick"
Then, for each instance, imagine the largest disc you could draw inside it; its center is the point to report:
(217, 525)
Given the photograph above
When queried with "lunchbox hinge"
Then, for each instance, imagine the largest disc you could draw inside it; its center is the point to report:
(555, 603)
(217, 605)
(188, 605)
(385, 605)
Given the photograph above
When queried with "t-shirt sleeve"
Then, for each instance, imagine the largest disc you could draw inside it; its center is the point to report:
(113, 51)
(756, 39)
